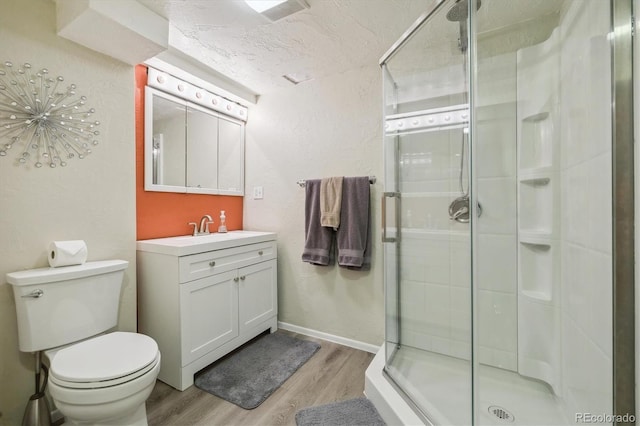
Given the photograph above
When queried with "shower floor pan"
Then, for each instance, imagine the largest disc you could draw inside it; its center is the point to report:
(442, 384)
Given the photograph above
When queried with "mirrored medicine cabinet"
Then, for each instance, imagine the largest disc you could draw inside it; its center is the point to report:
(191, 149)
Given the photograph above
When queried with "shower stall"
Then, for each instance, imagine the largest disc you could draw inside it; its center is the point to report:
(508, 213)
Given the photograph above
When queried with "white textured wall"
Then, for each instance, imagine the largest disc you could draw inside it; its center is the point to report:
(91, 199)
(320, 128)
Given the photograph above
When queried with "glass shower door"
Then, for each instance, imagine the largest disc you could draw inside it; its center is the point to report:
(426, 214)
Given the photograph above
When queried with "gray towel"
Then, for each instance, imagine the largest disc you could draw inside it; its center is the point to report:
(318, 239)
(353, 236)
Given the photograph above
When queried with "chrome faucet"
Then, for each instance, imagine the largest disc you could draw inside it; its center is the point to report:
(204, 225)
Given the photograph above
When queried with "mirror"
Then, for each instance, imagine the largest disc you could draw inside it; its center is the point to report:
(168, 143)
(191, 149)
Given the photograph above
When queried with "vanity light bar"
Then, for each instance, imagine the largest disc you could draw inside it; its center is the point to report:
(172, 85)
(428, 119)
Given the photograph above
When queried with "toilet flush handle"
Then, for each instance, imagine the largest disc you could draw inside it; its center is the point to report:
(35, 294)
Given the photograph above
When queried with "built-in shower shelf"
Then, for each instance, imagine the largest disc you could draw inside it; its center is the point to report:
(537, 202)
(535, 237)
(534, 118)
(537, 268)
(537, 295)
(536, 141)
(535, 173)
(535, 178)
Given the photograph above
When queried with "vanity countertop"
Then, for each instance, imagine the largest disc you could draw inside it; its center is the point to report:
(188, 244)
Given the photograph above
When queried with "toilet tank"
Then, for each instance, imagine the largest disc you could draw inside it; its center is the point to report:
(57, 306)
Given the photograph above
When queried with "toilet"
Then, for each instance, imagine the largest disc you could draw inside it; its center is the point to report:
(95, 377)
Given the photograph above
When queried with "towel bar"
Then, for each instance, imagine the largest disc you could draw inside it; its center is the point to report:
(302, 182)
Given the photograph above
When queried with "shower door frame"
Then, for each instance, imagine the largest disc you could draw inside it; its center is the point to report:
(624, 368)
(623, 205)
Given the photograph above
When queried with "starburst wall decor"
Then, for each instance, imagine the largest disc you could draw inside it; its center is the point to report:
(41, 120)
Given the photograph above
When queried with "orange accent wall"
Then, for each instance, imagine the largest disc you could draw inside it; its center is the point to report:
(165, 214)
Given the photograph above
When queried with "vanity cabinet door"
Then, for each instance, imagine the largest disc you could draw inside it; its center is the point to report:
(202, 149)
(258, 293)
(209, 314)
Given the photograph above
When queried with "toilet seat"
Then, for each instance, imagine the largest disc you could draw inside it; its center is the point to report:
(103, 361)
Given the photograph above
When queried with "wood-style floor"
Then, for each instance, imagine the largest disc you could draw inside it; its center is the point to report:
(334, 373)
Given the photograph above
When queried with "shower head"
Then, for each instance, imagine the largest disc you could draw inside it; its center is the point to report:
(460, 10)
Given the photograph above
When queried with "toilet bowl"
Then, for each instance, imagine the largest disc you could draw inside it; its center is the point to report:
(96, 377)
(104, 380)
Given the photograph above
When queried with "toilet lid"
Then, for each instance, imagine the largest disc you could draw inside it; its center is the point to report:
(105, 357)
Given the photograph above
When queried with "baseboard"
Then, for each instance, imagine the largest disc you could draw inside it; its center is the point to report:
(356, 344)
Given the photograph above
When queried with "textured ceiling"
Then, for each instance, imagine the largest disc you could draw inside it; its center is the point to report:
(330, 37)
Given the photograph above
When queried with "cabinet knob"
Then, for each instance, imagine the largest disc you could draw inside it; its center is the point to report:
(212, 263)
(243, 277)
(260, 252)
(235, 279)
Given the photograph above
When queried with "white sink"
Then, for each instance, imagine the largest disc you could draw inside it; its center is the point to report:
(188, 244)
(200, 239)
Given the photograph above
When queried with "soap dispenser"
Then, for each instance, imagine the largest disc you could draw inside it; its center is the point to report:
(223, 225)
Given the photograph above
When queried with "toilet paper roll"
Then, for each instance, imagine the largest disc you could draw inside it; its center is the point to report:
(65, 253)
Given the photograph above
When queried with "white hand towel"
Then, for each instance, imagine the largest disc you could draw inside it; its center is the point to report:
(65, 253)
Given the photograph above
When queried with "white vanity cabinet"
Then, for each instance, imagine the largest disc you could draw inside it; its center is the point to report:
(201, 297)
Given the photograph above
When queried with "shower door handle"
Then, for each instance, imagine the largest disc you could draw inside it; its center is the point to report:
(386, 195)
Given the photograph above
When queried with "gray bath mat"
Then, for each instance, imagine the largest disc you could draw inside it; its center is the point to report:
(248, 376)
(353, 412)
